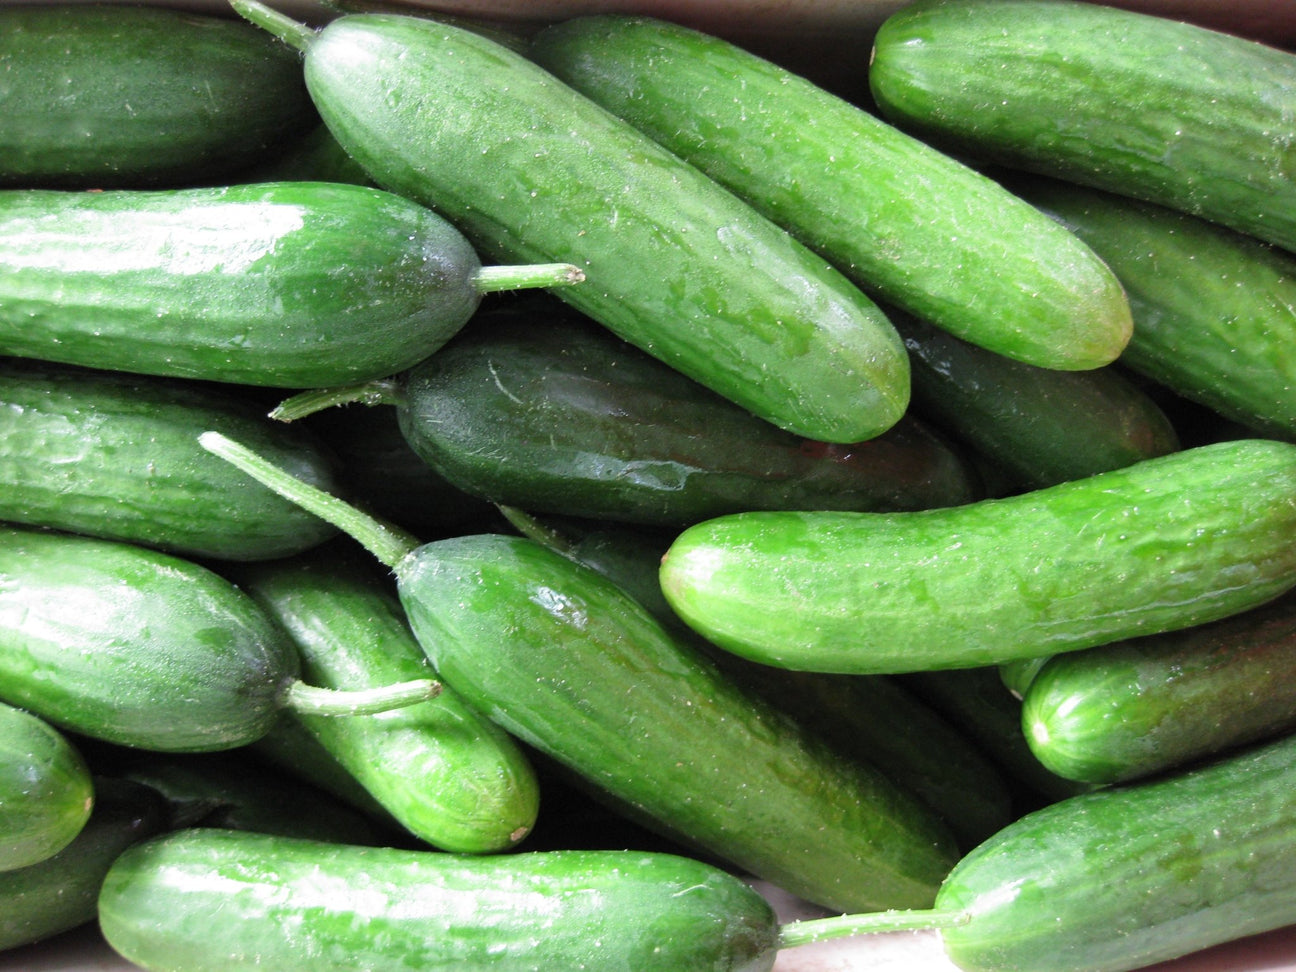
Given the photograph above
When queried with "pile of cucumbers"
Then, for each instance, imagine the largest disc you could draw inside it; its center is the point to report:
(475, 497)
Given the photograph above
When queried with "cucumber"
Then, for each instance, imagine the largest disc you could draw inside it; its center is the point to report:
(111, 455)
(903, 220)
(1134, 708)
(286, 284)
(447, 774)
(1162, 544)
(222, 900)
(116, 96)
(1137, 104)
(529, 169)
(46, 793)
(141, 648)
(568, 662)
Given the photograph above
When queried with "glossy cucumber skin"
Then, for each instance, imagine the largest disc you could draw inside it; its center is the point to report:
(1214, 310)
(301, 284)
(219, 900)
(1163, 544)
(132, 96)
(556, 415)
(1040, 426)
(1127, 876)
(1146, 106)
(530, 170)
(135, 646)
(1133, 708)
(45, 789)
(902, 219)
(117, 456)
(565, 660)
(445, 772)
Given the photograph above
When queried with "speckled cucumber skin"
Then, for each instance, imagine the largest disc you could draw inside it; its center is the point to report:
(221, 901)
(1163, 544)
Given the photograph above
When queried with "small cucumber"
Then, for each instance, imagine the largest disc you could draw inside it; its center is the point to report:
(903, 220)
(141, 648)
(1162, 544)
(96, 96)
(286, 284)
(1133, 708)
(45, 789)
(677, 265)
(224, 901)
(1137, 104)
(567, 661)
(115, 456)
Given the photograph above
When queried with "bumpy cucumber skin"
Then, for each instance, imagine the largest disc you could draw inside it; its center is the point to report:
(1146, 106)
(1133, 708)
(135, 646)
(45, 789)
(902, 219)
(565, 660)
(222, 901)
(1124, 877)
(445, 772)
(561, 416)
(116, 456)
(530, 170)
(1163, 544)
(115, 96)
(285, 284)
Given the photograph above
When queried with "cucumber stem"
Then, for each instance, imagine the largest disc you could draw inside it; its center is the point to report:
(318, 701)
(843, 926)
(384, 391)
(533, 529)
(291, 32)
(388, 543)
(491, 280)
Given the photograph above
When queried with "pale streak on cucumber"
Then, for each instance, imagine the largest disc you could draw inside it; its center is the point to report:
(383, 391)
(813, 930)
(315, 700)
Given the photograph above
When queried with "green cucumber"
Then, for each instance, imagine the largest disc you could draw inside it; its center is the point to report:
(226, 901)
(1133, 708)
(115, 456)
(141, 648)
(567, 661)
(675, 264)
(446, 773)
(286, 284)
(1138, 104)
(45, 789)
(1162, 544)
(903, 220)
(109, 95)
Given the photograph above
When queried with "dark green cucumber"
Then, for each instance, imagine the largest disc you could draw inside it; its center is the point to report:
(903, 220)
(446, 773)
(115, 456)
(1133, 708)
(287, 284)
(225, 901)
(313, 157)
(530, 170)
(1214, 310)
(567, 661)
(61, 892)
(1040, 426)
(106, 95)
(141, 648)
(1138, 104)
(45, 789)
(1162, 544)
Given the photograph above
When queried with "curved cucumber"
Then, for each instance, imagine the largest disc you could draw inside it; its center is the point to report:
(1141, 105)
(1163, 544)
(225, 901)
(675, 264)
(903, 220)
(45, 789)
(287, 284)
(108, 95)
